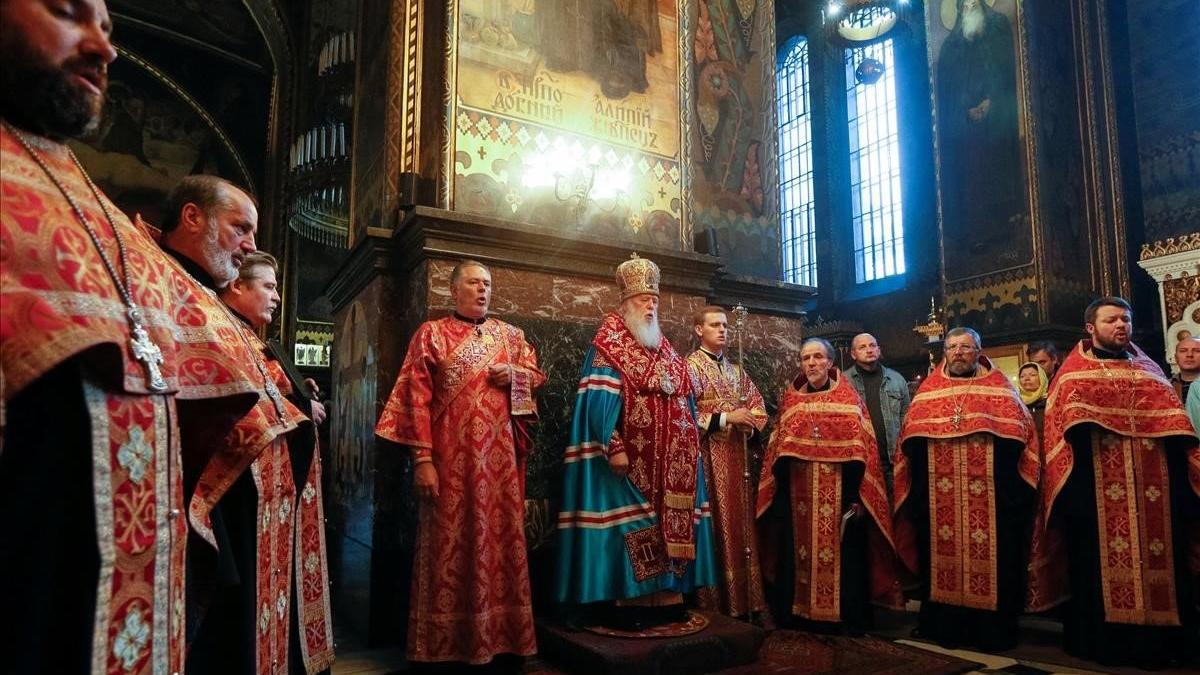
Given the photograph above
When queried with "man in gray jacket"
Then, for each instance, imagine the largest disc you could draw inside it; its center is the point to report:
(884, 391)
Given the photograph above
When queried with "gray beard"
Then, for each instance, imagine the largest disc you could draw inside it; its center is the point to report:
(972, 23)
(961, 369)
(647, 333)
(220, 263)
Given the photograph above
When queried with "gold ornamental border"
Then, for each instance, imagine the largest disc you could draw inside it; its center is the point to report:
(1170, 246)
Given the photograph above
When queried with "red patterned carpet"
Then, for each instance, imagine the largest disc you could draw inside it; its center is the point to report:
(787, 651)
(793, 652)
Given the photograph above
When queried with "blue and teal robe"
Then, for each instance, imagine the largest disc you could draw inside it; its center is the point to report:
(614, 542)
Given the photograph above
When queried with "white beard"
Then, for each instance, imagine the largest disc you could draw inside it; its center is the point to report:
(220, 263)
(647, 333)
(972, 23)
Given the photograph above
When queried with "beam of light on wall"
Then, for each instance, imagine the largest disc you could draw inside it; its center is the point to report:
(611, 183)
(570, 170)
(545, 168)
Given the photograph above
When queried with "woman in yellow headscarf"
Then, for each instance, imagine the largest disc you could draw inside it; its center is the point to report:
(1033, 389)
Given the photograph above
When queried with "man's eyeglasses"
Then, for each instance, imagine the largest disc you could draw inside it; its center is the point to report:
(960, 349)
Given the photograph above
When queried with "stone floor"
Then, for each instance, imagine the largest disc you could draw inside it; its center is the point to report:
(1038, 653)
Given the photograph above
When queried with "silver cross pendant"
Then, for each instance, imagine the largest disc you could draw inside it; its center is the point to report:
(145, 351)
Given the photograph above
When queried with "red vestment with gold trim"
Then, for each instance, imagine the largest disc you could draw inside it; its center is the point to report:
(291, 563)
(309, 587)
(657, 430)
(1123, 464)
(292, 574)
(963, 486)
(719, 386)
(827, 432)
(257, 448)
(470, 590)
(63, 321)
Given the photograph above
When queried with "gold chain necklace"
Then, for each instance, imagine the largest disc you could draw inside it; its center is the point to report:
(143, 348)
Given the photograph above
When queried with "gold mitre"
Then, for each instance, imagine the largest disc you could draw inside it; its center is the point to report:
(637, 276)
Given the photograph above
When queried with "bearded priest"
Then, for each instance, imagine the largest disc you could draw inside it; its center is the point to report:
(1117, 535)
(965, 479)
(635, 525)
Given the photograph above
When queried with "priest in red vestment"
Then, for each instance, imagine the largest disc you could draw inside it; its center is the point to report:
(1117, 535)
(731, 416)
(290, 548)
(245, 500)
(823, 504)
(964, 490)
(461, 404)
(94, 378)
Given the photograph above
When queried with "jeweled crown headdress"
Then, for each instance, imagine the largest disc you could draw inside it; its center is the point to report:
(637, 276)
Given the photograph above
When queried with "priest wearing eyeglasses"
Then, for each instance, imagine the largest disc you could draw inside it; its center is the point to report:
(965, 479)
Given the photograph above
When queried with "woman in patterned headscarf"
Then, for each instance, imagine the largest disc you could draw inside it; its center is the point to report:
(1034, 388)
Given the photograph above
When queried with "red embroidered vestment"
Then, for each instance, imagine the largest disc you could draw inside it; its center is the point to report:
(825, 430)
(959, 419)
(1133, 412)
(470, 590)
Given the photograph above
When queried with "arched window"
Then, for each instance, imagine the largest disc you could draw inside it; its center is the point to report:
(876, 215)
(796, 166)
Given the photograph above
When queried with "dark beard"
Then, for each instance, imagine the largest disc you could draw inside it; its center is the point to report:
(45, 100)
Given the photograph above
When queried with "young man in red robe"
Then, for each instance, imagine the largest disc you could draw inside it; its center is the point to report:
(1117, 535)
(965, 478)
(731, 416)
(461, 405)
(823, 504)
(103, 388)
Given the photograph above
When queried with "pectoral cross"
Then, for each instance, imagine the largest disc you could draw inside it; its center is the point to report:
(144, 350)
(957, 419)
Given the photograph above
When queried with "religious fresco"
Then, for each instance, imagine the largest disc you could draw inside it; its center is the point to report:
(733, 133)
(1167, 102)
(351, 467)
(567, 114)
(976, 67)
(150, 138)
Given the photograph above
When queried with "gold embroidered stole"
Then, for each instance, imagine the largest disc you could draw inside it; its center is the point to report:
(140, 532)
(273, 481)
(1133, 512)
(962, 521)
(467, 361)
(816, 497)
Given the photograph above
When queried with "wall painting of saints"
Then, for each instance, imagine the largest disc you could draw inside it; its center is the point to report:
(981, 131)
(566, 114)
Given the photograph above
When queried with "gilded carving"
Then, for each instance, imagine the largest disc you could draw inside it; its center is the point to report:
(1170, 246)
(1178, 294)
